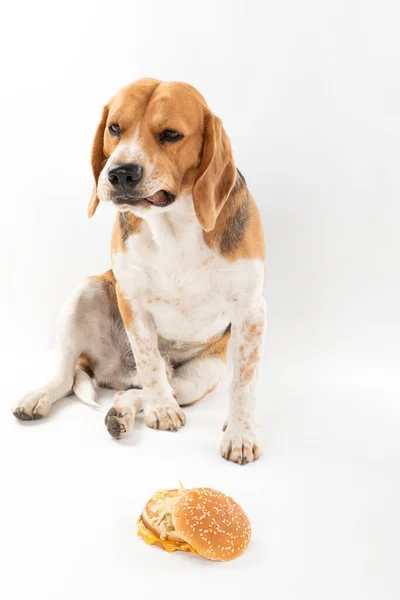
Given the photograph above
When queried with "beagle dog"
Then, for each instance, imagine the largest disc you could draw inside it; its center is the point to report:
(187, 273)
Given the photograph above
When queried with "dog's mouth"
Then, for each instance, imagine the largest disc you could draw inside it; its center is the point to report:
(160, 198)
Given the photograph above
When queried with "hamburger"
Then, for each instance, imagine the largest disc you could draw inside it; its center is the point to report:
(201, 521)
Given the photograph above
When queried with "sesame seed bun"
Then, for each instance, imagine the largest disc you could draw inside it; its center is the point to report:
(213, 524)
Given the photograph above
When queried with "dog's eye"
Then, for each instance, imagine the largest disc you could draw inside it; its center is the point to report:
(115, 130)
(169, 135)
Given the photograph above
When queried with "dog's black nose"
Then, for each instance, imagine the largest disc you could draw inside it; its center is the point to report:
(125, 177)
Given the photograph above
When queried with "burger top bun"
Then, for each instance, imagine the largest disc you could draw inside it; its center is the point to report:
(214, 525)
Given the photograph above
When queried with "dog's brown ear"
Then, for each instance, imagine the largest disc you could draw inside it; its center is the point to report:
(98, 159)
(217, 173)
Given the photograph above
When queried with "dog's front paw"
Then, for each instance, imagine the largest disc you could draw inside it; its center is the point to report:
(33, 406)
(121, 416)
(167, 417)
(240, 444)
(118, 423)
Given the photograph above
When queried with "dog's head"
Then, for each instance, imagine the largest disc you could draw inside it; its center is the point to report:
(156, 143)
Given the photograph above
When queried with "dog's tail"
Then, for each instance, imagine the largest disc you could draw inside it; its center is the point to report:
(83, 386)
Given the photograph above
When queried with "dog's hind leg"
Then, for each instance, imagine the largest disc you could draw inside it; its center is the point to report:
(70, 343)
(196, 378)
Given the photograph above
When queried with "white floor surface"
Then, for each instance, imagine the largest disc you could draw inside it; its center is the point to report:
(323, 499)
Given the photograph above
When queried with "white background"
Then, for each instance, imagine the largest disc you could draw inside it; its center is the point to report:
(309, 93)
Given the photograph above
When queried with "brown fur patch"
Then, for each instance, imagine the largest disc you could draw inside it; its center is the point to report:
(125, 225)
(107, 279)
(86, 364)
(97, 159)
(217, 346)
(108, 282)
(238, 232)
(235, 231)
(217, 173)
(249, 350)
(125, 309)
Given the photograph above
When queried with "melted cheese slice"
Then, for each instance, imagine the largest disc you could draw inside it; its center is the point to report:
(168, 545)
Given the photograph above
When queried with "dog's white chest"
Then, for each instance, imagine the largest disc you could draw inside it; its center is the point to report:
(189, 302)
(184, 285)
(190, 290)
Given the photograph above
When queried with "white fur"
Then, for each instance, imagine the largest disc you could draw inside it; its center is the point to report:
(83, 387)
